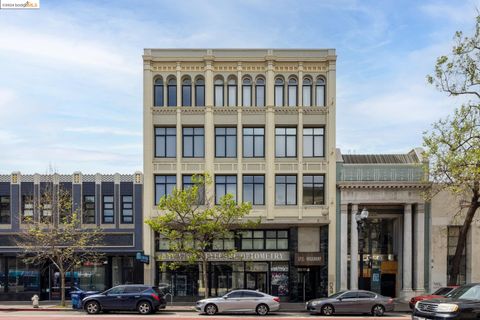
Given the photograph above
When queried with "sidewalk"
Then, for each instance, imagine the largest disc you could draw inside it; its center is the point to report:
(175, 307)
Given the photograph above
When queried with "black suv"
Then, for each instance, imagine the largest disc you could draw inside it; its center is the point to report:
(461, 303)
(143, 298)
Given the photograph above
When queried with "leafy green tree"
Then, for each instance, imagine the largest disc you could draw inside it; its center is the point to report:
(191, 227)
(453, 144)
(57, 236)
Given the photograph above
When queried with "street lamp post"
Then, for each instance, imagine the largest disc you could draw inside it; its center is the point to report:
(361, 218)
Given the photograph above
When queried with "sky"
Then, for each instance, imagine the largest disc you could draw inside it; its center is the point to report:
(71, 71)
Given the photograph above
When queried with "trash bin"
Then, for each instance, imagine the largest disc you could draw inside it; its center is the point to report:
(76, 299)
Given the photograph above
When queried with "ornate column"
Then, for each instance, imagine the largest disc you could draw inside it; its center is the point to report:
(407, 250)
(420, 249)
(343, 246)
(354, 249)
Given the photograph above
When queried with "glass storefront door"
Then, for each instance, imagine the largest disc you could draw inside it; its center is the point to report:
(257, 281)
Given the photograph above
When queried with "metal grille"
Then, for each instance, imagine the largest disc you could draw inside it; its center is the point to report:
(427, 307)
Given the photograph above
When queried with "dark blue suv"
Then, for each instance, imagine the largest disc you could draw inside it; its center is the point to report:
(143, 298)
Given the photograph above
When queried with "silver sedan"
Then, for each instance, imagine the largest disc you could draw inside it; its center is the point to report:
(240, 301)
(353, 302)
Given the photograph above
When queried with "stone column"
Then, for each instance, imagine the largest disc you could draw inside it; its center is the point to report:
(343, 247)
(407, 250)
(270, 141)
(420, 249)
(354, 249)
(209, 126)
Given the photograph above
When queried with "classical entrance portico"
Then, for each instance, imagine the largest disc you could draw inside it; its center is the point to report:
(392, 240)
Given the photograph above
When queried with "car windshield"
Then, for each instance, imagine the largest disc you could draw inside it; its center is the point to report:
(337, 294)
(442, 291)
(466, 292)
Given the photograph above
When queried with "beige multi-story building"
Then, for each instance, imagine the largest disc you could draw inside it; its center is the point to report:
(261, 122)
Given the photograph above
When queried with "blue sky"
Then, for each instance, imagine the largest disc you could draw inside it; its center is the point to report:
(71, 72)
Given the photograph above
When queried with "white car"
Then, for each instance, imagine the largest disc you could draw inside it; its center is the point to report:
(240, 301)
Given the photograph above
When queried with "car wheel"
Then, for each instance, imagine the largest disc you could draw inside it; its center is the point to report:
(211, 309)
(144, 307)
(378, 310)
(92, 307)
(262, 310)
(327, 310)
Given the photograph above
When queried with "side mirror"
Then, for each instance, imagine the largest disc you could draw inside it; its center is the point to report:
(225, 297)
(339, 299)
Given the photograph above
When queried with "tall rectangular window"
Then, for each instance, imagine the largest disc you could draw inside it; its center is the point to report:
(313, 142)
(285, 142)
(187, 182)
(163, 186)
(108, 213)
(253, 142)
(158, 93)
(232, 95)
(5, 210)
(254, 189)
(279, 95)
(285, 190)
(452, 240)
(307, 95)
(193, 143)
(89, 209)
(260, 93)
(292, 95)
(127, 209)
(186, 95)
(172, 93)
(313, 189)
(247, 95)
(27, 207)
(200, 93)
(218, 95)
(225, 142)
(165, 142)
(224, 185)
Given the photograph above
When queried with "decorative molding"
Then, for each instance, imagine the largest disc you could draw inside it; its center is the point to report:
(382, 185)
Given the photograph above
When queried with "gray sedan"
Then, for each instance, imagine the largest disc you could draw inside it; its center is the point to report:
(353, 302)
(237, 301)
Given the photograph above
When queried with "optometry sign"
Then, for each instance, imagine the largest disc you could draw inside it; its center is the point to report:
(227, 256)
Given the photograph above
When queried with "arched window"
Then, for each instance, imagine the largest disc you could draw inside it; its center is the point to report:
(186, 92)
(279, 84)
(200, 92)
(218, 92)
(307, 92)
(260, 92)
(158, 93)
(172, 92)
(247, 92)
(232, 92)
(292, 92)
(320, 92)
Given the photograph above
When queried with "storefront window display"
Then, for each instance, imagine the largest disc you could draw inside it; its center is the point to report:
(279, 283)
(22, 277)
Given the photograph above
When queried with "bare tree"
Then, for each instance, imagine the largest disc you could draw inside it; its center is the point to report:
(56, 235)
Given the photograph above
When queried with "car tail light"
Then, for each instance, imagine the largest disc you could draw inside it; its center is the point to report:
(390, 300)
(276, 299)
(154, 296)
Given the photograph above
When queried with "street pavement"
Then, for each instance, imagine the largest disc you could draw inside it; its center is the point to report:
(67, 315)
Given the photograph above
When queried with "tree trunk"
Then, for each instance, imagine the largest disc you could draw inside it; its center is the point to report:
(462, 239)
(205, 276)
(62, 287)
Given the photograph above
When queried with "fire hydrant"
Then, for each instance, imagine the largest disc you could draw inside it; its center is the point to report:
(35, 299)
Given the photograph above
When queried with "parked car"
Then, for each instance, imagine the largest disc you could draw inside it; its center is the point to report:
(240, 301)
(462, 303)
(351, 302)
(143, 298)
(440, 293)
